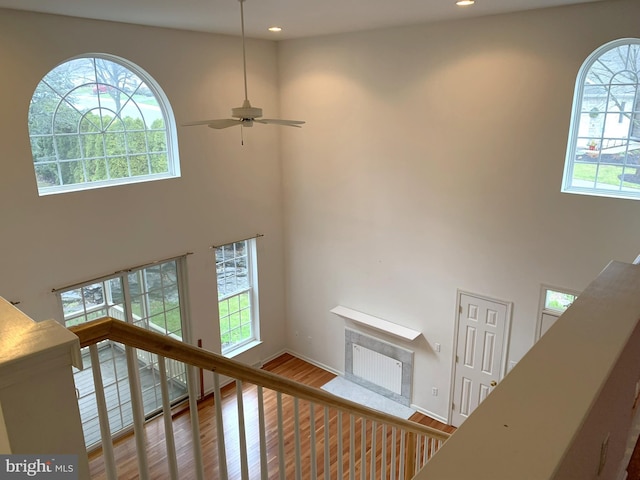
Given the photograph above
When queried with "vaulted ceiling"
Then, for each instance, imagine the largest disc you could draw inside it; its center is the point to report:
(298, 18)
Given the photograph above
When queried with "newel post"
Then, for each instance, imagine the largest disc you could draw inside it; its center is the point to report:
(39, 412)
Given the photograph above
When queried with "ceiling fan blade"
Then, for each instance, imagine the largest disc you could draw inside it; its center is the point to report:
(219, 123)
(224, 123)
(200, 122)
(275, 121)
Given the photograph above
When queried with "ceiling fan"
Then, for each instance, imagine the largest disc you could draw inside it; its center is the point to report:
(246, 114)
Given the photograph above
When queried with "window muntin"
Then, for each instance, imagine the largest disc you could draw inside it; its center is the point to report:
(603, 152)
(100, 121)
(237, 294)
(149, 297)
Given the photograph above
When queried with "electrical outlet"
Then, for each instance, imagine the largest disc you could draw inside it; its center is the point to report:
(437, 347)
(434, 391)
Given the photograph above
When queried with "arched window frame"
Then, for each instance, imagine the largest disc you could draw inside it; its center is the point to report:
(609, 156)
(142, 81)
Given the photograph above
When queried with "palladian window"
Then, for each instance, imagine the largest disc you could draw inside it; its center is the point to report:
(99, 121)
(603, 153)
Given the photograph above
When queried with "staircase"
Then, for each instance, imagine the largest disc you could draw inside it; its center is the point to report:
(370, 444)
(377, 445)
(546, 420)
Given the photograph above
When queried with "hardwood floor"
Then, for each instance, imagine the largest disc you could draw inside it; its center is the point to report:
(285, 365)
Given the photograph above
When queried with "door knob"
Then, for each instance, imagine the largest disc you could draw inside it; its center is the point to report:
(493, 383)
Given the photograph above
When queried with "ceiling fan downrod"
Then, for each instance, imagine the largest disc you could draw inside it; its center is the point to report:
(244, 52)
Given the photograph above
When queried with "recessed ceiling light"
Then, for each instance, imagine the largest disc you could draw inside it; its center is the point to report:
(464, 3)
(275, 29)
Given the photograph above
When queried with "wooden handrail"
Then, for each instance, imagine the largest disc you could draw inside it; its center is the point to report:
(109, 328)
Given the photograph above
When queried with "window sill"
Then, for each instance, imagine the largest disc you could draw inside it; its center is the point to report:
(243, 348)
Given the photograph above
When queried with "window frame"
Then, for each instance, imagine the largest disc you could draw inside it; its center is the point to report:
(123, 309)
(170, 130)
(545, 309)
(573, 139)
(233, 349)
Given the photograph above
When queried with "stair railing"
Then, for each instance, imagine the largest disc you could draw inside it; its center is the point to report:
(379, 445)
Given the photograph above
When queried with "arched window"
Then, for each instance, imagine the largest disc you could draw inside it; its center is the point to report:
(97, 121)
(603, 153)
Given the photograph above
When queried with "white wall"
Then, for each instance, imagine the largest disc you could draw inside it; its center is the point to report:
(432, 161)
(566, 410)
(226, 192)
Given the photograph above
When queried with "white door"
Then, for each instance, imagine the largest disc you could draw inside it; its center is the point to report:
(482, 328)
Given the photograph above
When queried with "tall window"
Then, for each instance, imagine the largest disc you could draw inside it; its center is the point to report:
(603, 153)
(553, 302)
(99, 121)
(149, 297)
(237, 295)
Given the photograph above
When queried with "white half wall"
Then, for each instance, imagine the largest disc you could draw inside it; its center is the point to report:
(432, 161)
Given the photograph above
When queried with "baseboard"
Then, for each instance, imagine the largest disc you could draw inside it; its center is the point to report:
(264, 361)
(429, 414)
(313, 362)
(227, 380)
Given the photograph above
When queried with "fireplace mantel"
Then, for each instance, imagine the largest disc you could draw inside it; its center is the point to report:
(377, 323)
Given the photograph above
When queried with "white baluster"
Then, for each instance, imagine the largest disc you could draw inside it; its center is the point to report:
(412, 453)
(103, 416)
(363, 450)
(394, 454)
(168, 421)
(195, 422)
(352, 447)
(340, 447)
(425, 454)
(242, 434)
(383, 467)
(374, 427)
(138, 412)
(264, 473)
(312, 439)
(296, 434)
(222, 454)
(327, 451)
(281, 467)
(402, 456)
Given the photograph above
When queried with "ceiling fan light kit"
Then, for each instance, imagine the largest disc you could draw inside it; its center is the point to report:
(246, 114)
(246, 111)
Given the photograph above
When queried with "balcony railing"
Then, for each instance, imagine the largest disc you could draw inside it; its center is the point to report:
(372, 444)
